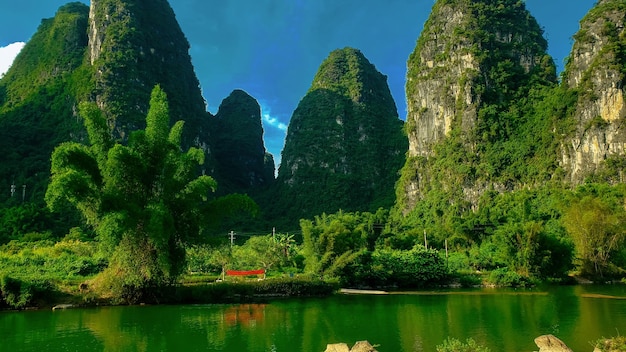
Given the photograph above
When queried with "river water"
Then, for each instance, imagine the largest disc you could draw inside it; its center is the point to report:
(502, 319)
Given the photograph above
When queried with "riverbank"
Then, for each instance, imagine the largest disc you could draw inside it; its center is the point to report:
(546, 343)
(25, 296)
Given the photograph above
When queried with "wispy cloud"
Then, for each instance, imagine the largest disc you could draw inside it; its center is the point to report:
(272, 121)
(8, 54)
(268, 119)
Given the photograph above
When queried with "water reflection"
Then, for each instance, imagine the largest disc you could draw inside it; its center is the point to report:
(505, 320)
(246, 314)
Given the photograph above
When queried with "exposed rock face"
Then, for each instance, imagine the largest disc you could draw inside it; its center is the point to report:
(472, 60)
(441, 72)
(242, 162)
(133, 46)
(344, 144)
(550, 343)
(596, 68)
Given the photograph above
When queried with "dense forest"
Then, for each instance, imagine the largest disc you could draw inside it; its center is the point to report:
(123, 186)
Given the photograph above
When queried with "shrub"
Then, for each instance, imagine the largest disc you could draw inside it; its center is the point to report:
(18, 294)
(252, 290)
(506, 277)
(615, 344)
(414, 268)
(12, 293)
(454, 345)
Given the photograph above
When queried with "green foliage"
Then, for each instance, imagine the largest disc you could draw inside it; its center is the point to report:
(258, 252)
(252, 290)
(520, 230)
(330, 242)
(596, 220)
(199, 259)
(38, 97)
(454, 345)
(143, 199)
(55, 262)
(615, 344)
(14, 293)
(18, 294)
(32, 273)
(508, 278)
(413, 268)
(19, 220)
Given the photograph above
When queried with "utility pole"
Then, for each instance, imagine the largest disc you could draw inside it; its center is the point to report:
(232, 238)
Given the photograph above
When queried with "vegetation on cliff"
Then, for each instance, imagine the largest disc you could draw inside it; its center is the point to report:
(487, 125)
(133, 46)
(242, 163)
(344, 138)
(37, 98)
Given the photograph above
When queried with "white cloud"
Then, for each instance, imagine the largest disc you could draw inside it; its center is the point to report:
(8, 54)
(266, 113)
(272, 121)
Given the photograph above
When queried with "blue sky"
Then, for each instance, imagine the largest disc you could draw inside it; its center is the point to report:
(272, 48)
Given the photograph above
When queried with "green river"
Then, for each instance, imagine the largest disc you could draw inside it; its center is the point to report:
(503, 320)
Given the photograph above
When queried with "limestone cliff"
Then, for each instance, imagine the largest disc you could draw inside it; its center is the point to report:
(474, 60)
(134, 45)
(597, 71)
(243, 165)
(344, 144)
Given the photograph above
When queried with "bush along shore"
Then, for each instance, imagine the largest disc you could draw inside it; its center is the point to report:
(17, 294)
(45, 273)
(546, 343)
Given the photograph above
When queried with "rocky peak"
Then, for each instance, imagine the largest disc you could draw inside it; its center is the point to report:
(134, 45)
(242, 162)
(344, 143)
(450, 73)
(348, 73)
(596, 70)
(472, 62)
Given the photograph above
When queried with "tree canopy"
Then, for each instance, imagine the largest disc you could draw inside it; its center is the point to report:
(144, 199)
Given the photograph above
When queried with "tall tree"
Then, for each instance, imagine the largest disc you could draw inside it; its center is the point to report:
(144, 199)
(597, 229)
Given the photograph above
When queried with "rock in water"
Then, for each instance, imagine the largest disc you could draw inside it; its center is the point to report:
(360, 346)
(550, 343)
(337, 347)
(363, 346)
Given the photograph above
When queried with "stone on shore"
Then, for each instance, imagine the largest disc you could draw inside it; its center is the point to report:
(363, 346)
(337, 347)
(550, 343)
(360, 346)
